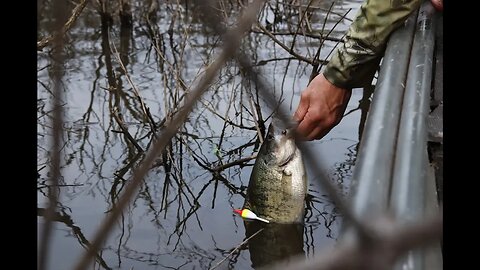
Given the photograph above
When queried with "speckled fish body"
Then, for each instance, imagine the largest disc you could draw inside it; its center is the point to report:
(278, 183)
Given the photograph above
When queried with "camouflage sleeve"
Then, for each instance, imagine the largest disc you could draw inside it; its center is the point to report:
(356, 60)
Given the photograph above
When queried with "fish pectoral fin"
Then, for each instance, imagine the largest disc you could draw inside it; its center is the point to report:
(287, 171)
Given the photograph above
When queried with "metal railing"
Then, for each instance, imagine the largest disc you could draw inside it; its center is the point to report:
(392, 171)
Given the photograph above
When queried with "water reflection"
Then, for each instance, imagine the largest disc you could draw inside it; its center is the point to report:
(63, 217)
(276, 242)
(127, 71)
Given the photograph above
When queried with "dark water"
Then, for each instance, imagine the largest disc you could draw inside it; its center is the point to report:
(182, 215)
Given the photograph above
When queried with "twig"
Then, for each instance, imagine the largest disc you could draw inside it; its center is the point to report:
(304, 15)
(152, 9)
(317, 55)
(310, 35)
(43, 167)
(255, 118)
(231, 45)
(145, 109)
(314, 7)
(315, 69)
(125, 131)
(331, 51)
(216, 173)
(236, 248)
(264, 62)
(234, 163)
(49, 186)
(296, 55)
(233, 188)
(46, 87)
(331, 30)
(208, 107)
(222, 134)
(75, 14)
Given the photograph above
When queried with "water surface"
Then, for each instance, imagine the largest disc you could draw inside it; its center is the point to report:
(182, 216)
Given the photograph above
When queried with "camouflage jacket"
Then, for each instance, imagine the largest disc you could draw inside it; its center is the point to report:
(356, 60)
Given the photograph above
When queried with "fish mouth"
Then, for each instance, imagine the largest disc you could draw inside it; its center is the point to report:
(286, 159)
(286, 150)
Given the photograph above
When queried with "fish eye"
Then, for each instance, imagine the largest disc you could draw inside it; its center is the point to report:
(284, 132)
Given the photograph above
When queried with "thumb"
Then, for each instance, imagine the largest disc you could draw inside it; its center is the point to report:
(302, 108)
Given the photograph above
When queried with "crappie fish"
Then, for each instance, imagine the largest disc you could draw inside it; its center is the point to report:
(278, 183)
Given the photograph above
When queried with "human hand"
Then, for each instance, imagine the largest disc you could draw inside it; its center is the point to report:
(437, 4)
(321, 108)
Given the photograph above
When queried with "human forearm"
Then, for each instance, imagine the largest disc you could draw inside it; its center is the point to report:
(356, 60)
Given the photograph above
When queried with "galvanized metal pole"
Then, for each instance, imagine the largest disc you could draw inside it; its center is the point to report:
(411, 161)
(371, 178)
